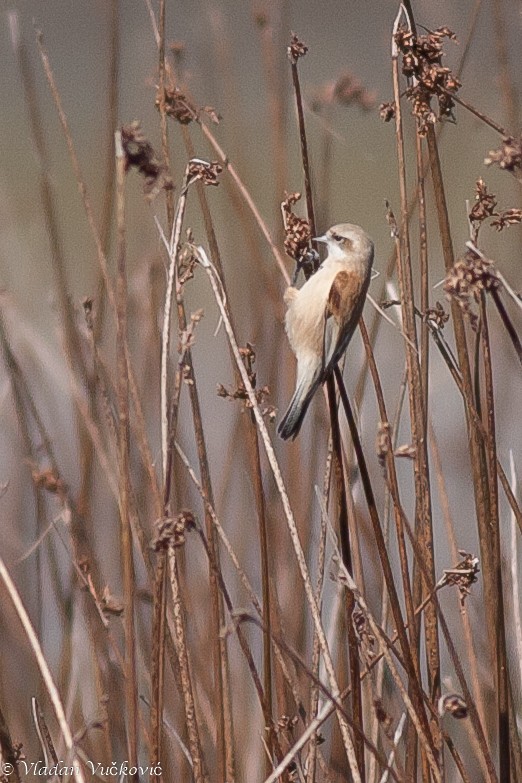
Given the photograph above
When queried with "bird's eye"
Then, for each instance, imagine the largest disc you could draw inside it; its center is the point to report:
(337, 237)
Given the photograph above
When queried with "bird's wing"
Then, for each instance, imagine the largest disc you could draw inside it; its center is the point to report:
(340, 315)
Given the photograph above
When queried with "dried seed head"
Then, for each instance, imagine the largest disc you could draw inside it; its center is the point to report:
(387, 111)
(177, 105)
(508, 156)
(296, 49)
(140, 154)
(485, 203)
(509, 217)
(469, 276)
(170, 532)
(204, 171)
(453, 704)
(463, 575)
(422, 60)
(298, 235)
(437, 316)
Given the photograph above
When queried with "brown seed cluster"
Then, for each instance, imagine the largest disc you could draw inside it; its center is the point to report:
(240, 393)
(170, 531)
(437, 316)
(485, 203)
(204, 171)
(387, 111)
(181, 108)
(508, 156)
(140, 154)
(298, 235)
(485, 207)
(422, 61)
(509, 217)
(469, 276)
(463, 575)
(296, 49)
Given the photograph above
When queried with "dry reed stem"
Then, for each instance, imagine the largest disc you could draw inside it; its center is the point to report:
(44, 671)
(254, 457)
(353, 652)
(423, 514)
(176, 624)
(347, 580)
(288, 513)
(131, 686)
(502, 673)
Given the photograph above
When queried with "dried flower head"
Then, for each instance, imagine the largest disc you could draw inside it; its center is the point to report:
(296, 49)
(298, 235)
(204, 171)
(387, 111)
(508, 156)
(171, 531)
(422, 61)
(177, 105)
(463, 575)
(509, 217)
(140, 154)
(469, 276)
(453, 704)
(485, 203)
(240, 393)
(437, 316)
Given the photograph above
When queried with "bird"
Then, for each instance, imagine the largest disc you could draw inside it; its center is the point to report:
(322, 315)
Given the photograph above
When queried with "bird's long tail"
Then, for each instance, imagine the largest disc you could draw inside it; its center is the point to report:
(291, 422)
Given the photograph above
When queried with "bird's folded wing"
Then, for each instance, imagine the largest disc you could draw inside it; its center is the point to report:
(341, 305)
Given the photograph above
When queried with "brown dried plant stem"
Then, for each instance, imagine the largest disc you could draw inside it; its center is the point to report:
(353, 650)
(497, 596)
(432, 589)
(477, 455)
(290, 520)
(416, 391)
(417, 695)
(253, 450)
(131, 686)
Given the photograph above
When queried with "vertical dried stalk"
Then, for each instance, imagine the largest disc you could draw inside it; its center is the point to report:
(288, 515)
(417, 694)
(257, 480)
(131, 687)
(353, 650)
(415, 388)
(502, 672)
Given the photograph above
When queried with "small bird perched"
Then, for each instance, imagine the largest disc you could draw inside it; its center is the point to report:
(322, 315)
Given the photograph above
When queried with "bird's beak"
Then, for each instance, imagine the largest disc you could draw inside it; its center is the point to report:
(324, 238)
